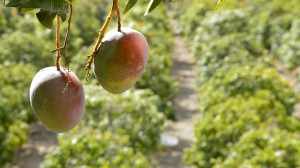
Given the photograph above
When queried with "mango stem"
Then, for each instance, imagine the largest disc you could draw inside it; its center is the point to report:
(100, 37)
(119, 18)
(58, 43)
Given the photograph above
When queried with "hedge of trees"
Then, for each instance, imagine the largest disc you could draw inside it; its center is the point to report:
(245, 105)
(117, 130)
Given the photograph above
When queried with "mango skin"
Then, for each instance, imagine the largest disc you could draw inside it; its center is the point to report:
(60, 107)
(120, 59)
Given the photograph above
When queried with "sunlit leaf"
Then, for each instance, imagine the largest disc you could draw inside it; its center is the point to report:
(26, 10)
(49, 5)
(24, 4)
(219, 4)
(152, 5)
(48, 9)
(46, 17)
(129, 5)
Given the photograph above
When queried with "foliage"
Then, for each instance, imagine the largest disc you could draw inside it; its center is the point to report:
(117, 131)
(26, 49)
(225, 123)
(137, 115)
(94, 148)
(243, 98)
(159, 36)
(246, 81)
(49, 9)
(156, 75)
(235, 102)
(133, 114)
(268, 146)
(289, 51)
(15, 80)
(236, 49)
(268, 25)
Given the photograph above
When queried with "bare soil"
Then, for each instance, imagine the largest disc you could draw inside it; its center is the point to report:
(32, 153)
(186, 106)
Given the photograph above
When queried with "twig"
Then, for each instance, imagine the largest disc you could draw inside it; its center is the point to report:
(100, 37)
(68, 31)
(119, 18)
(58, 43)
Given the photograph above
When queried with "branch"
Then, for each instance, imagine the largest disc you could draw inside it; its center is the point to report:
(68, 31)
(58, 43)
(100, 37)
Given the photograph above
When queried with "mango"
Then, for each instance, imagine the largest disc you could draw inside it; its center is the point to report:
(120, 59)
(57, 98)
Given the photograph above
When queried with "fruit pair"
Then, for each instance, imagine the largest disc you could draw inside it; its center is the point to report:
(57, 96)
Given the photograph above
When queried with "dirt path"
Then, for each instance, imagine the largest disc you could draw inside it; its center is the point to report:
(186, 106)
(32, 153)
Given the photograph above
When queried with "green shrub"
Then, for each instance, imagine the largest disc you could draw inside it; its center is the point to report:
(223, 125)
(289, 51)
(159, 35)
(132, 114)
(246, 81)
(15, 109)
(236, 49)
(156, 75)
(26, 48)
(218, 131)
(94, 148)
(239, 91)
(234, 102)
(265, 147)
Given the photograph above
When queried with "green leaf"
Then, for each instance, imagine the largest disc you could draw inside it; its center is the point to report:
(46, 18)
(48, 9)
(129, 5)
(219, 4)
(24, 4)
(152, 5)
(63, 15)
(26, 10)
(49, 5)
(54, 5)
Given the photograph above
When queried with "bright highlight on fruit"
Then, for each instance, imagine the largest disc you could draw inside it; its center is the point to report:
(57, 98)
(120, 59)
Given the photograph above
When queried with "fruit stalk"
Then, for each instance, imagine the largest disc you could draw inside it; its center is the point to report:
(100, 37)
(119, 18)
(58, 43)
(68, 30)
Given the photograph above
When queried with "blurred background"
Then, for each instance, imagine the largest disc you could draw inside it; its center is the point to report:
(221, 89)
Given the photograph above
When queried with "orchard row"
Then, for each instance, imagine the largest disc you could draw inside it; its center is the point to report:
(246, 105)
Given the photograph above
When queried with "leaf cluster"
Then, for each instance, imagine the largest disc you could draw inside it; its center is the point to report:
(49, 9)
(94, 148)
(242, 100)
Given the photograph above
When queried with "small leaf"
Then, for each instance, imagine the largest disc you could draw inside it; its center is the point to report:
(129, 5)
(152, 5)
(46, 18)
(49, 9)
(62, 15)
(219, 4)
(24, 4)
(26, 10)
(48, 5)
